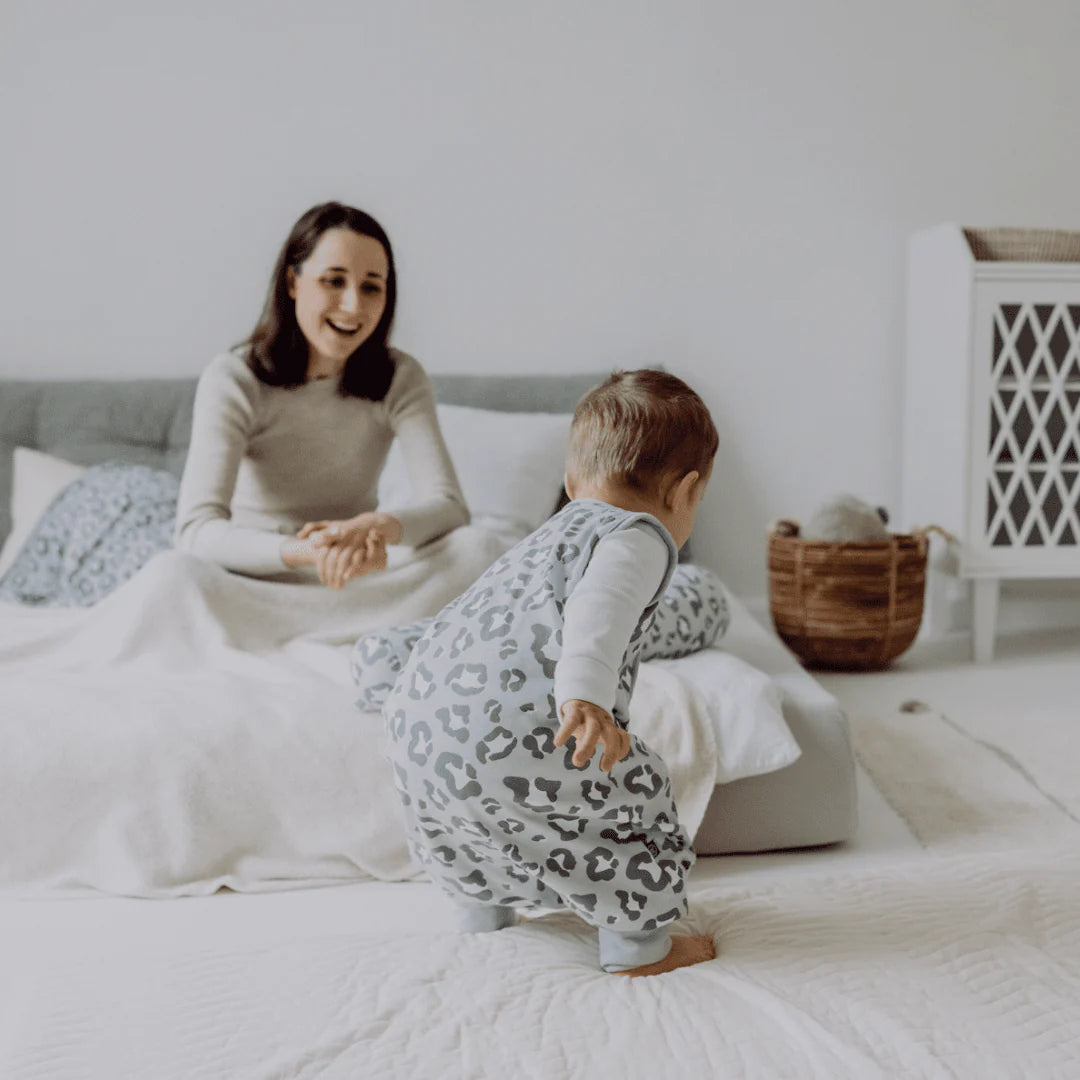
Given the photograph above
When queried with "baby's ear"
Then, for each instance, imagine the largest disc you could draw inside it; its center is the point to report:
(568, 485)
(680, 492)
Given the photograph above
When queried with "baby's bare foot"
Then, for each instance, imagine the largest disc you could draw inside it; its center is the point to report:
(684, 952)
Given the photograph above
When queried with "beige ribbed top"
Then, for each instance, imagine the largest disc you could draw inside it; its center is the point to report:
(263, 460)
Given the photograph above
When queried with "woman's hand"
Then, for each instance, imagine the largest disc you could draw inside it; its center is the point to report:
(588, 725)
(337, 563)
(343, 550)
(349, 558)
(331, 532)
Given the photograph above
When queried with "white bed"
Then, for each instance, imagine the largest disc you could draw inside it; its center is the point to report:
(332, 981)
(507, 436)
(949, 951)
(903, 952)
(953, 955)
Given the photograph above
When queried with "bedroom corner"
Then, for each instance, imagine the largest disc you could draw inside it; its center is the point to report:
(227, 554)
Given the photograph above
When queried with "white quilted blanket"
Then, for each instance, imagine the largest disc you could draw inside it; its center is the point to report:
(938, 968)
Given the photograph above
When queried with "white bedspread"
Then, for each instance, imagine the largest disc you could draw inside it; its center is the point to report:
(950, 961)
(197, 729)
(959, 968)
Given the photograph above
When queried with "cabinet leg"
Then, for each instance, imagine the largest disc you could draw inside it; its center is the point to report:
(983, 618)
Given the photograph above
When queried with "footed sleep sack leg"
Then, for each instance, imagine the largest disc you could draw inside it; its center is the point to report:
(652, 954)
(622, 950)
(377, 660)
(483, 918)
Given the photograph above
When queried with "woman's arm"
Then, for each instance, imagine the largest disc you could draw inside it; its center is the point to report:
(438, 504)
(223, 417)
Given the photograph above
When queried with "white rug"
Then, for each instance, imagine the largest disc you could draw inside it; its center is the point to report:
(957, 790)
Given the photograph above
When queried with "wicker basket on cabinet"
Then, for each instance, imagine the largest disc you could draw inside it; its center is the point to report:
(847, 606)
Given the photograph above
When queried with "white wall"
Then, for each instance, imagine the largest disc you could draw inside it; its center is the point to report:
(724, 187)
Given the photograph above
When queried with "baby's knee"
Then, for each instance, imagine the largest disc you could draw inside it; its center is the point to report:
(378, 658)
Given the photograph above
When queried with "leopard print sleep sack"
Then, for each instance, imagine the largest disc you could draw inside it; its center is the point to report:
(496, 814)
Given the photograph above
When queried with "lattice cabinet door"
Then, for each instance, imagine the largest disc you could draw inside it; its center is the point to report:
(1024, 515)
(1024, 457)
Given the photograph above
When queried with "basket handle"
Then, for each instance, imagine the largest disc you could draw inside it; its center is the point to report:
(926, 530)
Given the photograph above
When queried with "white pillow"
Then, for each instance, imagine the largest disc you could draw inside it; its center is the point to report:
(36, 479)
(510, 464)
(747, 712)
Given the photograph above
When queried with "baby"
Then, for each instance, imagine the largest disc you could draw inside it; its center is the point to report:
(522, 786)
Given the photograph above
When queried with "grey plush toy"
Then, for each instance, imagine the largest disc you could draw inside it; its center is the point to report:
(847, 519)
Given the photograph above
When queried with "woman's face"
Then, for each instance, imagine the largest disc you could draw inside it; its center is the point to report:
(340, 296)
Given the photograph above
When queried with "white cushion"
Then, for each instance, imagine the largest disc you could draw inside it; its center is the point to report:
(510, 464)
(747, 711)
(36, 479)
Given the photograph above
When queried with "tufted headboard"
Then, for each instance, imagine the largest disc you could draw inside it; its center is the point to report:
(148, 421)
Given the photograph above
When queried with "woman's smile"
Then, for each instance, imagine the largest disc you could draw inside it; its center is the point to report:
(344, 328)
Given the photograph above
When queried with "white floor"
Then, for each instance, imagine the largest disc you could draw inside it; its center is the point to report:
(1032, 674)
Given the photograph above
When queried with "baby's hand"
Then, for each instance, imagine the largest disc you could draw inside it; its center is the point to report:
(588, 724)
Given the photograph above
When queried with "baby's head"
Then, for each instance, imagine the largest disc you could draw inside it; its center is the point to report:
(643, 440)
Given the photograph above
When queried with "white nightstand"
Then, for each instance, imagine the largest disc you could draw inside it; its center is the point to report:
(992, 409)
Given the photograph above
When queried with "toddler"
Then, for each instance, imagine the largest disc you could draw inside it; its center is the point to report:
(521, 784)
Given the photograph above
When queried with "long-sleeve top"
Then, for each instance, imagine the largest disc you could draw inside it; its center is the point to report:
(622, 578)
(264, 460)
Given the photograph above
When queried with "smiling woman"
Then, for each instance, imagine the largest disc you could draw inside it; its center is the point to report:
(340, 297)
(291, 429)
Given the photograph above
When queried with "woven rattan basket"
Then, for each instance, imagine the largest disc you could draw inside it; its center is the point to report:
(847, 606)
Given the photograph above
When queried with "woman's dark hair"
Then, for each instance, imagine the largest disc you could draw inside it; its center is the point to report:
(277, 350)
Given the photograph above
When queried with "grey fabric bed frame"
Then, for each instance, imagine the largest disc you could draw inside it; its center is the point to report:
(809, 803)
(148, 421)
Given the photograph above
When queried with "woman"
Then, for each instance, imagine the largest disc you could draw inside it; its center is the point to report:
(291, 430)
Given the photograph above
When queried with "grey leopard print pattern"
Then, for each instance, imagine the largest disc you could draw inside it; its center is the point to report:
(94, 536)
(495, 813)
(377, 659)
(692, 615)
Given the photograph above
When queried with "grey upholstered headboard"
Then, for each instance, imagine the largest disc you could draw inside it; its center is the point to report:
(148, 421)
